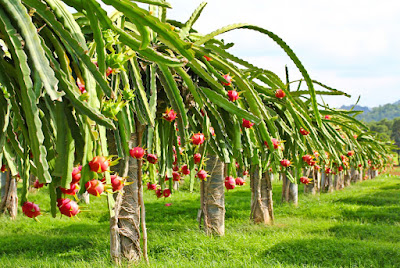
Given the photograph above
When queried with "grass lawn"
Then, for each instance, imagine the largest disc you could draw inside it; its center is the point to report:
(356, 227)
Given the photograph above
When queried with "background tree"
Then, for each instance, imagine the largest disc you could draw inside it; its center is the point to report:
(396, 134)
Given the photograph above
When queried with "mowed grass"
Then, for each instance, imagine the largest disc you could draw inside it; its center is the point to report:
(355, 227)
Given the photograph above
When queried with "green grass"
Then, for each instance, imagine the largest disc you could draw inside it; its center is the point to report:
(356, 227)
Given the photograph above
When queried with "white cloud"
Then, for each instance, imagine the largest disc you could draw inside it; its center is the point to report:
(351, 45)
(374, 90)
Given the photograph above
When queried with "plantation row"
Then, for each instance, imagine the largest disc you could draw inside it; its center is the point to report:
(103, 105)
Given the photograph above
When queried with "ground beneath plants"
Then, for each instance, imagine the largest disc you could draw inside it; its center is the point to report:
(355, 227)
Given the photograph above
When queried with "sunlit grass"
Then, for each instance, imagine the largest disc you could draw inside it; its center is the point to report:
(356, 227)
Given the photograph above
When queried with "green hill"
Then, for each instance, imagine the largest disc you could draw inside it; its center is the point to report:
(365, 109)
(388, 111)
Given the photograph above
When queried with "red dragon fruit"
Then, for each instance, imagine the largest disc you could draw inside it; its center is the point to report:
(170, 115)
(185, 170)
(197, 158)
(247, 123)
(152, 158)
(280, 94)
(228, 79)
(312, 163)
(72, 190)
(76, 174)
(304, 132)
(68, 207)
(99, 164)
(198, 138)
(166, 193)
(81, 86)
(30, 209)
(239, 181)
(3, 168)
(159, 193)
(233, 95)
(109, 71)
(276, 143)
(151, 186)
(230, 183)
(212, 131)
(176, 176)
(305, 180)
(307, 158)
(37, 184)
(117, 182)
(285, 163)
(202, 175)
(94, 187)
(137, 152)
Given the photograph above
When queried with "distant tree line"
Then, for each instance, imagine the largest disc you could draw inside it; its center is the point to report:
(387, 130)
(388, 111)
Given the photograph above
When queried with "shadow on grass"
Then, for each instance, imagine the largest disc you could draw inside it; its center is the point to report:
(18, 244)
(388, 197)
(384, 233)
(77, 239)
(175, 217)
(334, 253)
(391, 187)
(373, 214)
(159, 211)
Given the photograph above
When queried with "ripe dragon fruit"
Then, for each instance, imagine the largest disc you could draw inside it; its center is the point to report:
(151, 186)
(170, 115)
(117, 182)
(247, 123)
(152, 158)
(230, 183)
(166, 193)
(239, 181)
(202, 175)
(30, 209)
(159, 193)
(68, 207)
(307, 158)
(198, 138)
(233, 95)
(137, 152)
(176, 176)
(94, 187)
(285, 163)
(76, 174)
(72, 190)
(197, 158)
(37, 184)
(276, 143)
(280, 94)
(228, 79)
(305, 180)
(99, 164)
(304, 132)
(185, 170)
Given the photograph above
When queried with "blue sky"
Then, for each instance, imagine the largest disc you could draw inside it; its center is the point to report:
(353, 46)
(350, 45)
